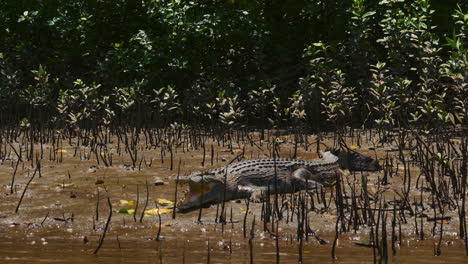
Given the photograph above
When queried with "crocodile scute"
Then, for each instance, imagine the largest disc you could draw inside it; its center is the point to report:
(254, 178)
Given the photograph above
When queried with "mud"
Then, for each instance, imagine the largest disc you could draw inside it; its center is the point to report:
(64, 212)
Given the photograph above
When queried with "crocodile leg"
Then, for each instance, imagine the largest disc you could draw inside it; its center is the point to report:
(302, 174)
(255, 194)
(304, 179)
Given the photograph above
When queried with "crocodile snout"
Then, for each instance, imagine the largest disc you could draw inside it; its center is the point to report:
(199, 195)
(375, 166)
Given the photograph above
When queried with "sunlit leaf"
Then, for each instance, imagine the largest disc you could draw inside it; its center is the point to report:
(63, 185)
(167, 223)
(368, 14)
(61, 150)
(329, 216)
(362, 240)
(156, 210)
(125, 211)
(127, 202)
(164, 202)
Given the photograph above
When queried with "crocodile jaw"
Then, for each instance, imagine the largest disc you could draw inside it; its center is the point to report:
(199, 195)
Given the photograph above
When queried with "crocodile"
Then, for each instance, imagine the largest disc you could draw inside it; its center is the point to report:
(255, 178)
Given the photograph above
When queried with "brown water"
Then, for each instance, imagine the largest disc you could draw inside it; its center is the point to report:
(57, 218)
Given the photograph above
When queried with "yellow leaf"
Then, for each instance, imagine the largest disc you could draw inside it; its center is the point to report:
(61, 150)
(329, 216)
(167, 223)
(125, 211)
(155, 211)
(127, 202)
(164, 202)
(353, 147)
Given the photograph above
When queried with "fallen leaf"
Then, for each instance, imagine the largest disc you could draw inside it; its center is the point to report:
(369, 245)
(61, 150)
(127, 202)
(164, 202)
(63, 185)
(125, 211)
(329, 216)
(167, 223)
(353, 147)
(156, 210)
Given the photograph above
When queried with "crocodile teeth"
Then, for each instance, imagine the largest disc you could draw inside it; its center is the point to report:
(196, 192)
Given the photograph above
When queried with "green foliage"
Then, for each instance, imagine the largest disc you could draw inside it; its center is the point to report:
(262, 104)
(166, 103)
(39, 94)
(382, 103)
(338, 100)
(455, 70)
(314, 64)
(82, 105)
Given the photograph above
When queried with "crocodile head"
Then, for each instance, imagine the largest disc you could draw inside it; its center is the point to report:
(355, 161)
(202, 190)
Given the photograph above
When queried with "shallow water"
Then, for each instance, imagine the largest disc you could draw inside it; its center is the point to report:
(57, 217)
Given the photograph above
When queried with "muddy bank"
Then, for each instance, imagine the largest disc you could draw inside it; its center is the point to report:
(64, 211)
